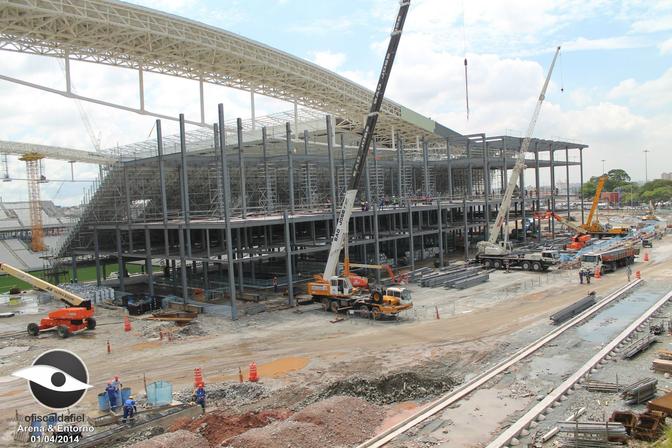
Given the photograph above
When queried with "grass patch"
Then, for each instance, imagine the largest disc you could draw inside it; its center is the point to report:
(84, 274)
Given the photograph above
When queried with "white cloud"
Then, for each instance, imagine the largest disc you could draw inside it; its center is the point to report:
(665, 46)
(328, 59)
(607, 43)
(654, 95)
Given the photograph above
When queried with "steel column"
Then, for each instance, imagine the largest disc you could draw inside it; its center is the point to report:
(552, 162)
(162, 187)
(290, 166)
(120, 261)
(425, 166)
(581, 180)
(96, 250)
(486, 186)
(400, 157)
(466, 228)
(567, 174)
(183, 265)
(410, 233)
(439, 213)
(288, 255)
(267, 179)
(521, 189)
(330, 154)
(148, 262)
(227, 213)
(469, 189)
(185, 184)
(241, 167)
(536, 186)
(450, 169)
(376, 240)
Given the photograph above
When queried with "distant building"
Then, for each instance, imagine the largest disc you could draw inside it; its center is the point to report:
(666, 176)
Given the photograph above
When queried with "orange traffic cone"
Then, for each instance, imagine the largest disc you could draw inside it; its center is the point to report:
(598, 274)
(253, 376)
(198, 376)
(638, 275)
(646, 256)
(127, 324)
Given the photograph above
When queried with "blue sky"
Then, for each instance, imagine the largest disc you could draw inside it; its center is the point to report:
(616, 69)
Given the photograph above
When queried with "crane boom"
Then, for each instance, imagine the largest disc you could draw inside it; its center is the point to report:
(338, 239)
(596, 199)
(61, 294)
(520, 162)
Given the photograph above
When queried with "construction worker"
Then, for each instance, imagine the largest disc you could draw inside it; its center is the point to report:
(581, 276)
(112, 395)
(628, 272)
(588, 274)
(200, 395)
(275, 284)
(129, 409)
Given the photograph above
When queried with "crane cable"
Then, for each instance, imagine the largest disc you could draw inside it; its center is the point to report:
(464, 47)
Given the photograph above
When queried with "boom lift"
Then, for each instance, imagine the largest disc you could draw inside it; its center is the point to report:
(332, 290)
(490, 247)
(76, 316)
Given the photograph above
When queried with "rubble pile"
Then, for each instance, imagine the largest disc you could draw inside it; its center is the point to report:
(182, 439)
(392, 388)
(153, 329)
(227, 394)
(337, 421)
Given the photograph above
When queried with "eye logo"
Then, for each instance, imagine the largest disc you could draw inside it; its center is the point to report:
(58, 379)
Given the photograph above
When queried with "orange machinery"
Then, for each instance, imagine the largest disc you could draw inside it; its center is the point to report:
(76, 316)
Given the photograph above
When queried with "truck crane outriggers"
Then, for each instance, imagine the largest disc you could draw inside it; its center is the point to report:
(76, 316)
(334, 291)
(489, 252)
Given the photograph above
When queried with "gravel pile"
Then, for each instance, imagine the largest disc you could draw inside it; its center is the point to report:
(336, 422)
(141, 436)
(153, 329)
(227, 394)
(392, 388)
(181, 439)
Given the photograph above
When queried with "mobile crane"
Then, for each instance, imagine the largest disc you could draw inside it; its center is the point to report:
(489, 252)
(334, 291)
(76, 316)
(593, 225)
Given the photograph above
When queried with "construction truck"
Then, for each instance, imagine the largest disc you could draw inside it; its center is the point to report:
(492, 254)
(336, 292)
(527, 261)
(75, 317)
(608, 261)
(381, 302)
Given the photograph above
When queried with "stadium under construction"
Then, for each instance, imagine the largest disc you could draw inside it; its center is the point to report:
(225, 212)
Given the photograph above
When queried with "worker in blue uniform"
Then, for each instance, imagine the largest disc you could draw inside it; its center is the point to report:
(112, 395)
(129, 409)
(200, 396)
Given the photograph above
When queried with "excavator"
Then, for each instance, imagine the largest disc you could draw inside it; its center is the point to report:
(579, 241)
(592, 225)
(337, 292)
(76, 316)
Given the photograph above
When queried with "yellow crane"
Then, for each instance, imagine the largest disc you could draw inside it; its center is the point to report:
(593, 225)
(32, 160)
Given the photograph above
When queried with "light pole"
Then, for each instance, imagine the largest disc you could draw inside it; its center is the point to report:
(646, 166)
(603, 171)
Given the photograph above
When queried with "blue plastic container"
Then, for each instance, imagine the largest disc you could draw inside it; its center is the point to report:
(103, 401)
(125, 393)
(159, 393)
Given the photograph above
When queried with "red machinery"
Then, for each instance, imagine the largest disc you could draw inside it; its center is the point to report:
(76, 316)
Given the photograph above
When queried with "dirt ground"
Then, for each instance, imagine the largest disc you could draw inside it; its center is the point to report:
(300, 354)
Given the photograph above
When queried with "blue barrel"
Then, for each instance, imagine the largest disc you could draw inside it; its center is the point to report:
(103, 401)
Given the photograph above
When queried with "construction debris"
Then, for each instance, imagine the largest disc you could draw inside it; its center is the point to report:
(600, 386)
(182, 439)
(662, 365)
(230, 394)
(640, 391)
(392, 388)
(638, 346)
(662, 404)
(337, 421)
(592, 434)
(665, 354)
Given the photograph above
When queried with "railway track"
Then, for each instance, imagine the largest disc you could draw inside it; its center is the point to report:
(465, 389)
(544, 406)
